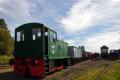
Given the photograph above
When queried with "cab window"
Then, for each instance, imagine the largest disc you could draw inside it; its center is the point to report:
(46, 33)
(53, 36)
(36, 33)
(20, 36)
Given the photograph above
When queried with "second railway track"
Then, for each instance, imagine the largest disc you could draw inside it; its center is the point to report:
(67, 74)
(5, 68)
(105, 70)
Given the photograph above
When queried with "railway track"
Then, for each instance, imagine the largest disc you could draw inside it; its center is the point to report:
(5, 68)
(2, 66)
(105, 70)
(83, 68)
(67, 74)
(80, 68)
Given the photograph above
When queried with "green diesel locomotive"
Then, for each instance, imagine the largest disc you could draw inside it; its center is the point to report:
(38, 51)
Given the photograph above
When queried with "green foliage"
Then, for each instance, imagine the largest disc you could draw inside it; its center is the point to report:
(3, 24)
(2, 21)
(6, 42)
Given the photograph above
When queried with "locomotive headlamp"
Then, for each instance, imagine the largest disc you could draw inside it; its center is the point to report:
(36, 61)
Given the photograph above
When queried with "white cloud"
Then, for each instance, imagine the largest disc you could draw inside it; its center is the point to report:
(19, 10)
(89, 13)
(82, 15)
(94, 42)
(110, 39)
(86, 14)
(71, 42)
(16, 12)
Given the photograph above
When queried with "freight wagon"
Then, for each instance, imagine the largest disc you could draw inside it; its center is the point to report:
(38, 51)
(75, 53)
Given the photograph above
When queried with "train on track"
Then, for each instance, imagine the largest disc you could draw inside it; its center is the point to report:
(114, 55)
(38, 51)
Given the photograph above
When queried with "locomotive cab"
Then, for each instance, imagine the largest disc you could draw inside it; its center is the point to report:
(29, 40)
(37, 50)
(31, 47)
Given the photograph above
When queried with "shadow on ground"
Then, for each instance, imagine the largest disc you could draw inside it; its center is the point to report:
(13, 76)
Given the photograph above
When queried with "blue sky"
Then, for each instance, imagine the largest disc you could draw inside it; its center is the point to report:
(92, 23)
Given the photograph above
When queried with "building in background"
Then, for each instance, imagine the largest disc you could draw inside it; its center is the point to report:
(104, 51)
(83, 50)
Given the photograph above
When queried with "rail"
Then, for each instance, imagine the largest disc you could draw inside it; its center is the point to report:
(105, 70)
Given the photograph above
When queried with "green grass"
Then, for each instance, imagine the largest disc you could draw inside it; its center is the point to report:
(113, 73)
(90, 74)
(5, 59)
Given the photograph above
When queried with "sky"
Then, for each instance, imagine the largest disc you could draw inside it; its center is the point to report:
(92, 23)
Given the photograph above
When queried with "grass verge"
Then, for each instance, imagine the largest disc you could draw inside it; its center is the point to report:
(113, 73)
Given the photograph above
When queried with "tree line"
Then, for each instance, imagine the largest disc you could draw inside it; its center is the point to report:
(6, 40)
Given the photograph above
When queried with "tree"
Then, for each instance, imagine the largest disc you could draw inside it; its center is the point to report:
(6, 42)
(3, 24)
